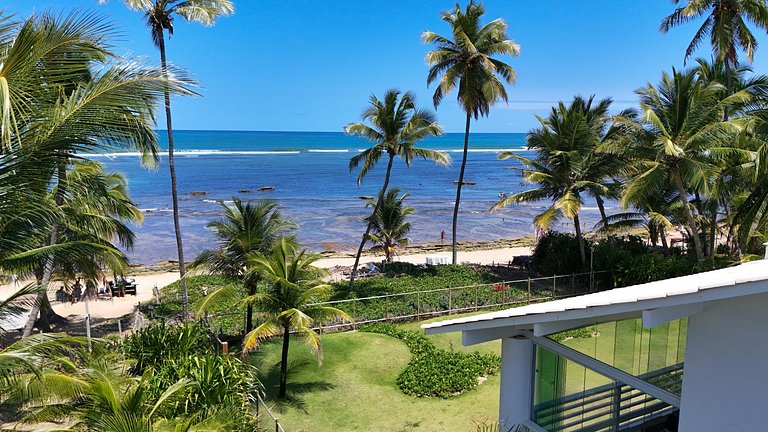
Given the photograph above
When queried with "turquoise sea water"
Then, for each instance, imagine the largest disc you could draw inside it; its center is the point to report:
(313, 186)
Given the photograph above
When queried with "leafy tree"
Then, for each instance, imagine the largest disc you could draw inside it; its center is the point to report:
(159, 15)
(467, 60)
(246, 228)
(396, 127)
(389, 227)
(288, 304)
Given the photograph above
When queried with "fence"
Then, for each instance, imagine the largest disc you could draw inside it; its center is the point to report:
(261, 405)
(417, 305)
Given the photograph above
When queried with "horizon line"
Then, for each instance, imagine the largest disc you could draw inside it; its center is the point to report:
(308, 131)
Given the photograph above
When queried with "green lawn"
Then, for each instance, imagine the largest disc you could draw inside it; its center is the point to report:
(355, 390)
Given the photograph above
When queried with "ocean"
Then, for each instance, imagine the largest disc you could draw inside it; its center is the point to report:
(308, 175)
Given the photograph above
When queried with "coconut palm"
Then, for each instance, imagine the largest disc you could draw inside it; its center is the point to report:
(725, 23)
(396, 127)
(688, 136)
(289, 303)
(467, 60)
(160, 16)
(246, 228)
(567, 164)
(92, 100)
(389, 227)
(101, 397)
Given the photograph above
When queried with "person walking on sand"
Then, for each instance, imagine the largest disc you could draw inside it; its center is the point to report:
(442, 237)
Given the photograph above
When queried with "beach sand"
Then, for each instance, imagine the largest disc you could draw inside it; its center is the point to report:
(105, 309)
(483, 257)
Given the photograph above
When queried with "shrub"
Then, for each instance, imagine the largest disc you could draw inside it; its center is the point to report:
(557, 253)
(433, 371)
(152, 346)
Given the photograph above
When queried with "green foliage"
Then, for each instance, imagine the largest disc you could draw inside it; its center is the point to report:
(153, 346)
(557, 253)
(165, 355)
(652, 267)
(171, 307)
(433, 371)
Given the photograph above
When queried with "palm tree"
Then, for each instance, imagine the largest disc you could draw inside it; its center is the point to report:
(396, 127)
(101, 397)
(725, 24)
(90, 100)
(388, 225)
(160, 15)
(467, 60)
(567, 163)
(288, 304)
(687, 136)
(246, 228)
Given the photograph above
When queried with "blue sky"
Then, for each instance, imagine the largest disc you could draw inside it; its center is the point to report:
(308, 65)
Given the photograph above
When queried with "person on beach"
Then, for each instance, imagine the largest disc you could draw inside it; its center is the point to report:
(442, 236)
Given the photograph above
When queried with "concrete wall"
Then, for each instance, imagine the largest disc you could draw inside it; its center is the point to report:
(726, 367)
(516, 379)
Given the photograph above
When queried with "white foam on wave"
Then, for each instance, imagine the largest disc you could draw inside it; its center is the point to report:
(328, 151)
(487, 150)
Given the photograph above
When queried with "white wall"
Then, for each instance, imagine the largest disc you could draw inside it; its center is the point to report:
(725, 383)
(516, 379)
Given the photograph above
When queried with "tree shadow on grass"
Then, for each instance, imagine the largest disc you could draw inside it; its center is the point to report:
(296, 390)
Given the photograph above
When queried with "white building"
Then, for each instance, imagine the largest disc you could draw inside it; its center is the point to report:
(688, 353)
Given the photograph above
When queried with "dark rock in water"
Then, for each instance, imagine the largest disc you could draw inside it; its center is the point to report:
(466, 183)
(366, 197)
(244, 191)
(266, 188)
(198, 193)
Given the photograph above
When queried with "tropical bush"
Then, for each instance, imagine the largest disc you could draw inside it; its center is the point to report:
(166, 354)
(433, 371)
(557, 253)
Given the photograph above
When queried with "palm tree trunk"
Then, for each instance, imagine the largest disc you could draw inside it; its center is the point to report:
(42, 297)
(251, 285)
(664, 244)
(713, 232)
(284, 360)
(580, 238)
(603, 216)
(370, 224)
(174, 193)
(458, 192)
(692, 226)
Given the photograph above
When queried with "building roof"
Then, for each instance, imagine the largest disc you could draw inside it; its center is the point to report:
(619, 303)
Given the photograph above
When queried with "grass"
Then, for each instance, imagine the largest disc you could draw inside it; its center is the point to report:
(355, 390)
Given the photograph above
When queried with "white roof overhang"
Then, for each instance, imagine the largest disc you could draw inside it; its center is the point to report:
(655, 302)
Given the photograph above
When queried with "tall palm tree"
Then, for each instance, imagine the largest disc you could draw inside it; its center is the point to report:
(289, 303)
(567, 164)
(466, 59)
(245, 229)
(160, 15)
(725, 23)
(396, 127)
(687, 137)
(389, 226)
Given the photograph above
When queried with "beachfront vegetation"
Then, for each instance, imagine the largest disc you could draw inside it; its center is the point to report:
(568, 166)
(467, 60)
(245, 229)
(396, 127)
(389, 225)
(160, 15)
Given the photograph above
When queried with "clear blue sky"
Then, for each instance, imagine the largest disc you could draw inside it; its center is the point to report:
(309, 65)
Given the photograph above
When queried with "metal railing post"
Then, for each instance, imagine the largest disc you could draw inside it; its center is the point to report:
(554, 286)
(529, 291)
(476, 288)
(450, 300)
(418, 304)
